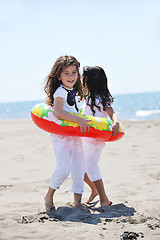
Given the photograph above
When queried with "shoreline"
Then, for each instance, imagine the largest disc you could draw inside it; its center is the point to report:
(121, 120)
(130, 170)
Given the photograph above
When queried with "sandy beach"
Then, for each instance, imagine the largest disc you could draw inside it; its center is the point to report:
(130, 170)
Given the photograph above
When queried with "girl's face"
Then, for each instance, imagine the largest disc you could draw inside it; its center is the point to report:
(69, 76)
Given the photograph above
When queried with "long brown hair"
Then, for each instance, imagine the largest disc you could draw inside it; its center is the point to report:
(96, 81)
(53, 82)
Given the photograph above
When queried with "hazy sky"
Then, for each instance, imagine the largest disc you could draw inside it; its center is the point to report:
(122, 36)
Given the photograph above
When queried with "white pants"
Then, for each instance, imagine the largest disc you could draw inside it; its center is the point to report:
(69, 159)
(92, 149)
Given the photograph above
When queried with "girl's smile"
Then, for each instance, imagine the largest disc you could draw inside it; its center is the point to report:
(69, 76)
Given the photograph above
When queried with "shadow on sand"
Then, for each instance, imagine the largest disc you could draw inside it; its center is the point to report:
(88, 214)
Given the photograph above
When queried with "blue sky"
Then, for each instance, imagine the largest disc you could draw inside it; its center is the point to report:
(122, 36)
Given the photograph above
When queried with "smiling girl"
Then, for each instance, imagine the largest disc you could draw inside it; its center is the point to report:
(63, 87)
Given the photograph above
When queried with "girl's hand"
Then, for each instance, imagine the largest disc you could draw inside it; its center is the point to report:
(115, 128)
(83, 124)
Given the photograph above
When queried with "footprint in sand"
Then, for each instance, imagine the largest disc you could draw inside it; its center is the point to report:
(131, 235)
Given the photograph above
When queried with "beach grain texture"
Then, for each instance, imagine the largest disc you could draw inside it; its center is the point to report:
(131, 173)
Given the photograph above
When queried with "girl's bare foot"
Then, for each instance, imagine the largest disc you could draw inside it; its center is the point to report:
(77, 200)
(77, 205)
(106, 203)
(48, 204)
(93, 188)
(92, 196)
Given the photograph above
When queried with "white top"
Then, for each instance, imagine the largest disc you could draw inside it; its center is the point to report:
(87, 110)
(61, 92)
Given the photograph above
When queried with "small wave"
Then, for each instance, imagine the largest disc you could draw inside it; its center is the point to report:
(143, 113)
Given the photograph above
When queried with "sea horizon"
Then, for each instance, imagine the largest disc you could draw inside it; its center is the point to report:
(128, 106)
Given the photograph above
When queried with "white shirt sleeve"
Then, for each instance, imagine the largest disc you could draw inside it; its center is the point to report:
(60, 92)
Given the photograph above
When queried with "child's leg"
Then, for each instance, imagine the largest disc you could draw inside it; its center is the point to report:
(62, 153)
(92, 151)
(104, 201)
(48, 200)
(94, 191)
(77, 200)
(77, 170)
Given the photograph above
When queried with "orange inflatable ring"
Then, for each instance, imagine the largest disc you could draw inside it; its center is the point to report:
(100, 128)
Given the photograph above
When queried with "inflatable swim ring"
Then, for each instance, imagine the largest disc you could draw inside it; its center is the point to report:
(100, 128)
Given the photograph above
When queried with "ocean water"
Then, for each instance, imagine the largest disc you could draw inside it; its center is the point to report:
(138, 106)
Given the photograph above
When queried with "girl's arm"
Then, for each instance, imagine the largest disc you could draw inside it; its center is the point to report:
(60, 113)
(113, 116)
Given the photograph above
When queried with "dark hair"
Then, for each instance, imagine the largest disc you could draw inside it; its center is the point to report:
(96, 81)
(52, 81)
